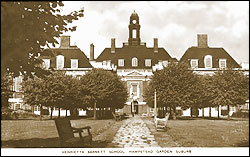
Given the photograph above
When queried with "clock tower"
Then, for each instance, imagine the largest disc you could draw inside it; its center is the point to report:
(134, 30)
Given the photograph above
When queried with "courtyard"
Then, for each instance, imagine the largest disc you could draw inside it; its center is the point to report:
(184, 132)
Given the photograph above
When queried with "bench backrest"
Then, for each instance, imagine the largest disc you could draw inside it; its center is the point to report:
(64, 129)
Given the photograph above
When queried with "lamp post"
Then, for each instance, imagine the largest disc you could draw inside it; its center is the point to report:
(133, 107)
(155, 107)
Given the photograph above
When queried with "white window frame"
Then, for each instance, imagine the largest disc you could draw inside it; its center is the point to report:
(148, 62)
(205, 63)
(134, 62)
(196, 63)
(72, 63)
(121, 62)
(46, 63)
(222, 60)
(59, 58)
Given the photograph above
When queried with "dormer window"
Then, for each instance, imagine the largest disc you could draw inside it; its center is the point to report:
(134, 62)
(208, 61)
(74, 63)
(222, 63)
(59, 62)
(120, 62)
(147, 62)
(46, 63)
(194, 63)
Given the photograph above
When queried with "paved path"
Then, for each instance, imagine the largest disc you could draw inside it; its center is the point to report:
(134, 133)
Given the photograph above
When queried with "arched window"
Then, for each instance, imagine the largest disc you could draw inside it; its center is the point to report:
(59, 62)
(134, 62)
(208, 61)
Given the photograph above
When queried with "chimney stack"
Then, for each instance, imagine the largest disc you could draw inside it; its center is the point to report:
(91, 58)
(156, 45)
(202, 41)
(65, 42)
(112, 45)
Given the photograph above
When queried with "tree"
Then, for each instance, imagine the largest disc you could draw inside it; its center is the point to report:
(46, 91)
(232, 88)
(26, 28)
(174, 85)
(72, 98)
(6, 89)
(104, 89)
(203, 93)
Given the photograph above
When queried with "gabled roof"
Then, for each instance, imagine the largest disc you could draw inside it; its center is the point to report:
(216, 53)
(128, 52)
(72, 52)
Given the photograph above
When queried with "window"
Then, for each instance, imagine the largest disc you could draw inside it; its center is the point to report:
(59, 62)
(134, 33)
(134, 62)
(208, 61)
(194, 63)
(17, 84)
(36, 108)
(134, 90)
(120, 62)
(74, 63)
(147, 62)
(46, 63)
(165, 63)
(17, 106)
(222, 63)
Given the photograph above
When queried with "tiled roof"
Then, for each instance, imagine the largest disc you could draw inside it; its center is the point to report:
(216, 53)
(69, 53)
(128, 52)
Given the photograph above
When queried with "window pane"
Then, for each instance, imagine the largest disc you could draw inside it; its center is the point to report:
(134, 33)
(208, 62)
(134, 90)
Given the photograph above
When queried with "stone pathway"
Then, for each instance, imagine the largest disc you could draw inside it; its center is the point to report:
(134, 133)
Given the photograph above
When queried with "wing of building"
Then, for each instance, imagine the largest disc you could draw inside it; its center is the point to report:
(206, 60)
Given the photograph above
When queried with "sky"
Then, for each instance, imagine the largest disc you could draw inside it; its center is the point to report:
(175, 24)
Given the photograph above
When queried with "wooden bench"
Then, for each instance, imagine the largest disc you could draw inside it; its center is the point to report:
(161, 122)
(117, 117)
(66, 134)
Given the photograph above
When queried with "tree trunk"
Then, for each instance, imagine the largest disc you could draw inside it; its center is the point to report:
(41, 112)
(210, 112)
(218, 111)
(66, 112)
(196, 112)
(191, 112)
(203, 112)
(59, 112)
(51, 111)
(228, 109)
(170, 111)
(174, 113)
(94, 110)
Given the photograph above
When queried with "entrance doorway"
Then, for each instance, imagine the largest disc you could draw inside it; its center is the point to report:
(136, 108)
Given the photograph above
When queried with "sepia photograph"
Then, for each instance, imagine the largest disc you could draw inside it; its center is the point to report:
(116, 78)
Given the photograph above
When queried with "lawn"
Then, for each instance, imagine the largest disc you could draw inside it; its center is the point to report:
(43, 134)
(202, 133)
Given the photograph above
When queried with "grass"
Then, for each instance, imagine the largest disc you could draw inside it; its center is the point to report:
(199, 132)
(43, 134)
